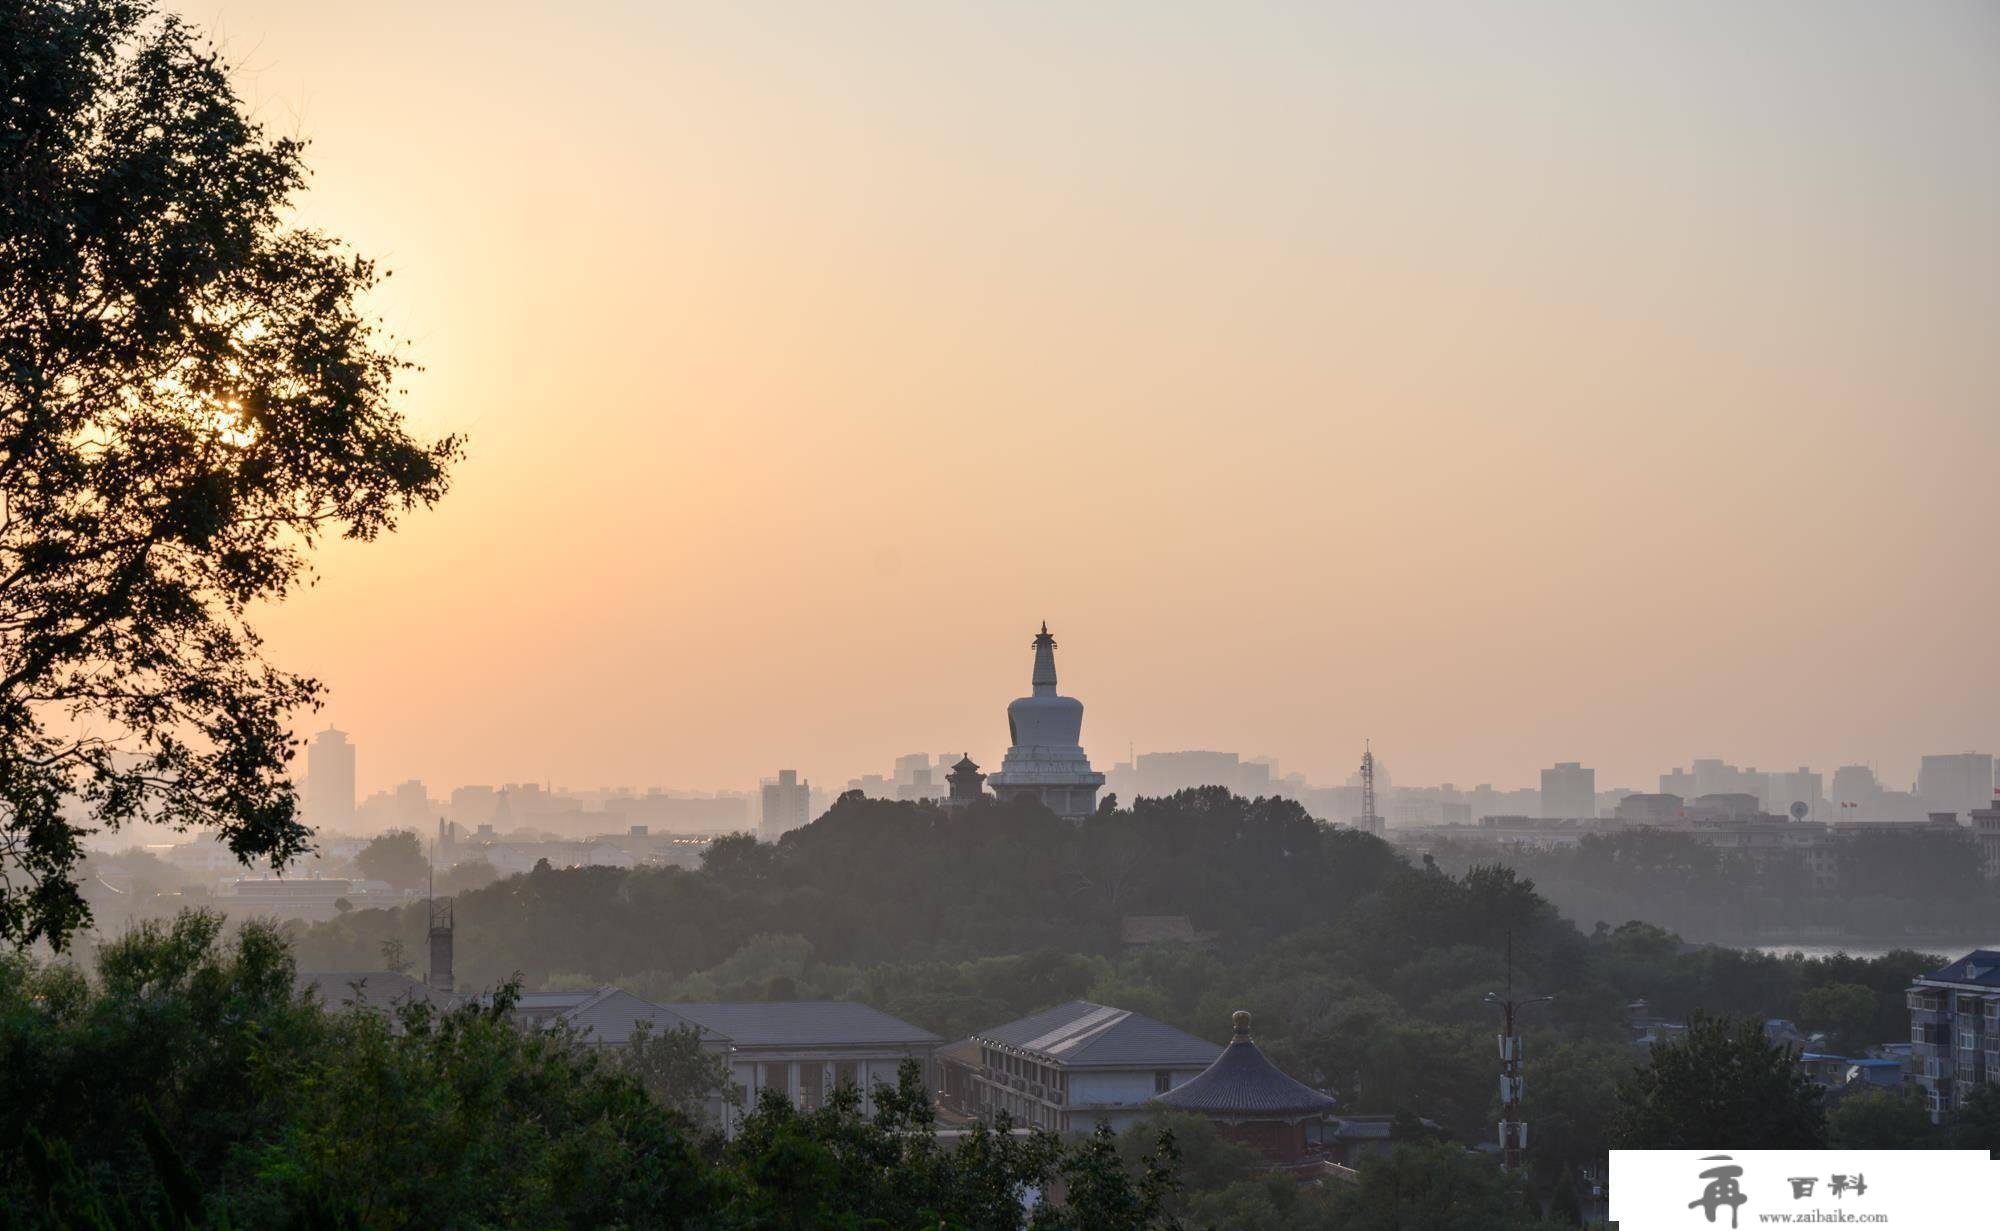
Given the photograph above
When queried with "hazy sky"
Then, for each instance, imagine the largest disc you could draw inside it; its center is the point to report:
(1506, 383)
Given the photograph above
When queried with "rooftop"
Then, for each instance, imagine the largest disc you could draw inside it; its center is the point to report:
(803, 1023)
(1083, 1034)
(1979, 968)
(607, 1015)
(370, 989)
(1243, 1084)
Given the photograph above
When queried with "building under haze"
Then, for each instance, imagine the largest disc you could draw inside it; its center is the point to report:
(1958, 782)
(1046, 761)
(329, 795)
(787, 805)
(1569, 790)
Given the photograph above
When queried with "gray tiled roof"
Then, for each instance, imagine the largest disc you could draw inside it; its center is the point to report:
(609, 1015)
(1083, 1034)
(1242, 1082)
(1981, 967)
(373, 989)
(804, 1023)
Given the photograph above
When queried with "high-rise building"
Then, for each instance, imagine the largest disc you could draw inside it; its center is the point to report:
(329, 793)
(1958, 782)
(1709, 776)
(1802, 786)
(1046, 761)
(787, 805)
(1569, 791)
(1856, 793)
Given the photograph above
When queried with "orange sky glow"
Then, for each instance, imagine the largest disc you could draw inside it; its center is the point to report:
(1506, 384)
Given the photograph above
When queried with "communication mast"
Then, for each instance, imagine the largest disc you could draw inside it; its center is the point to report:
(1370, 823)
(1513, 1129)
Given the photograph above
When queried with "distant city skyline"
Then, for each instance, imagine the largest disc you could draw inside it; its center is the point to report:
(783, 799)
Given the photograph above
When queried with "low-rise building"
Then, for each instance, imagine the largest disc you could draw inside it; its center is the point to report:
(608, 1017)
(805, 1049)
(1955, 1030)
(1071, 1067)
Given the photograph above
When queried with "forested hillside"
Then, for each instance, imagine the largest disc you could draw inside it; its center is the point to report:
(1366, 973)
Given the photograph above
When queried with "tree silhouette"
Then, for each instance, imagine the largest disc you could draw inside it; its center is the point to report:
(396, 857)
(1721, 1085)
(189, 399)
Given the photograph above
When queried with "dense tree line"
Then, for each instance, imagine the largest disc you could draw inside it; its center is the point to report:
(190, 1084)
(1884, 885)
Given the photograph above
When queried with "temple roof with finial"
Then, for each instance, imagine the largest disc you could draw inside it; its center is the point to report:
(1243, 1085)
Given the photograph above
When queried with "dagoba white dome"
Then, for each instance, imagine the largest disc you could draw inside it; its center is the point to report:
(1046, 760)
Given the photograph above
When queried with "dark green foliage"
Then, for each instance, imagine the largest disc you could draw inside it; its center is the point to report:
(1721, 1085)
(1565, 1207)
(189, 1085)
(1934, 863)
(1844, 1011)
(1437, 1187)
(1571, 1094)
(189, 398)
(1884, 1119)
(673, 1069)
(1885, 884)
(1976, 1124)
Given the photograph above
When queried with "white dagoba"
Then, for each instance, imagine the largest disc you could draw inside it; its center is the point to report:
(1046, 761)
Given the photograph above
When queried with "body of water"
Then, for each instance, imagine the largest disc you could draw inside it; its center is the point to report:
(1951, 949)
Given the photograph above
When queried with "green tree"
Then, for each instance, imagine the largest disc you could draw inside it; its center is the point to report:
(1843, 1010)
(396, 857)
(1976, 1123)
(1719, 1086)
(1570, 1092)
(1893, 1119)
(1436, 1187)
(190, 1084)
(1564, 1205)
(190, 398)
(676, 1070)
(1099, 1192)
(467, 875)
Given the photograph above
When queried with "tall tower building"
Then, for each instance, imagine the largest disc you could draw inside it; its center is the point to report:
(1046, 761)
(787, 805)
(1569, 792)
(329, 794)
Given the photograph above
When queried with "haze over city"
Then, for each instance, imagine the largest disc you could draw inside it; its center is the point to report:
(1320, 373)
(1033, 617)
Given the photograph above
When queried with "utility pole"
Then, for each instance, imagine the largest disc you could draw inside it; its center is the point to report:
(1513, 1129)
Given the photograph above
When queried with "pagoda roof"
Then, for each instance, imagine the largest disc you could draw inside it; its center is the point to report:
(1244, 1085)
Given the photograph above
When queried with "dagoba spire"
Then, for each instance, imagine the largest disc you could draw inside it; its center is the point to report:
(1045, 663)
